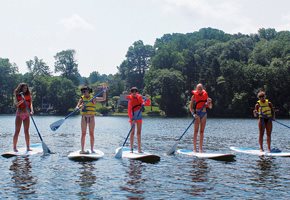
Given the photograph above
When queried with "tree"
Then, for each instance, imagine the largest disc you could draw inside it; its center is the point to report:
(8, 82)
(38, 67)
(66, 64)
(170, 85)
(62, 94)
(137, 62)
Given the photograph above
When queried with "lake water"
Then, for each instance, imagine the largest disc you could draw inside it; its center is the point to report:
(174, 177)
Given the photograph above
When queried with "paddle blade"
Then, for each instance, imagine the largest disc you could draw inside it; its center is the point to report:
(173, 149)
(54, 126)
(119, 152)
(45, 148)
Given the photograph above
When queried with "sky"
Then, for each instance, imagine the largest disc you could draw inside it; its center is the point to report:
(101, 31)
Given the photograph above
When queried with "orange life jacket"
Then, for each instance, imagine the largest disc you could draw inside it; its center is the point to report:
(135, 103)
(27, 99)
(199, 98)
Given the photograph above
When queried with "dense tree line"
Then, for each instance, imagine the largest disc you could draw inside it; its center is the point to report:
(232, 67)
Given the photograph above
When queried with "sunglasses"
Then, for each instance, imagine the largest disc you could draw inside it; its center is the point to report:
(84, 91)
(261, 96)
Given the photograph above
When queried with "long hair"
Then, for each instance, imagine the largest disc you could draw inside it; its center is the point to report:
(19, 89)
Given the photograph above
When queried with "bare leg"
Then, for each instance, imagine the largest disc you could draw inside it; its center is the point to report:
(268, 132)
(132, 137)
(196, 127)
(84, 130)
(261, 133)
(26, 124)
(92, 135)
(201, 136)
(139, 128)
(18, 123)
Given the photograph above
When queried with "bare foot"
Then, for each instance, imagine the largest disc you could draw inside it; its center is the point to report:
(15, 150)
(261, 150)
(92, 151)
(28, 149)
(140, 151)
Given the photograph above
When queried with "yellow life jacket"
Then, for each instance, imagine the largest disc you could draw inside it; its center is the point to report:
(89, 108)
(264, 109)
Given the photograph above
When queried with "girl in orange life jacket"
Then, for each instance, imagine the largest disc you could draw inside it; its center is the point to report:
(88, 111)
(135, 104)
(198, 104)
(22, 114)
(264, 110)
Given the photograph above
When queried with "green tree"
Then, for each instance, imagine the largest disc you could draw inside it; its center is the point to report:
(66, 64)
(38, 67)
(137, 62)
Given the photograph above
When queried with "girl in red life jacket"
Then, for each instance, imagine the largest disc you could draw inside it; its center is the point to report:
(22, 114)
(265, 111)
(198, 104)
(135, 106)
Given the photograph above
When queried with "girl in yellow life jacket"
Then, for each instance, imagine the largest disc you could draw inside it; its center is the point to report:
(88, 111)
(264, 110)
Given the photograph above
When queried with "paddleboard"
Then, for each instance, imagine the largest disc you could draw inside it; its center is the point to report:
(255, 151)
(214, 156)
(76, 156)
(144, 156)
(36, 149)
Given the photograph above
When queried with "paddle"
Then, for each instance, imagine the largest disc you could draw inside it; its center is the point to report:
(173, 148)
(120, 149)
(46, 150)
(54, 126)
(265, 116)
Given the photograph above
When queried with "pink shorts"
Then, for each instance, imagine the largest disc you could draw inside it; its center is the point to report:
(23, 115)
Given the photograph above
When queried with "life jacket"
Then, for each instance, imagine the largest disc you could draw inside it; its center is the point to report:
(264, 110)
(199, 98)
(27, 99)
(135, 103)
(89, 107)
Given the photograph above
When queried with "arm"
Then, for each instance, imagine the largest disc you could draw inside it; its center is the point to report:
(80, 103)
(209, 103)
(191, 105)
(255, 111)
(100, 99)
(31, 107)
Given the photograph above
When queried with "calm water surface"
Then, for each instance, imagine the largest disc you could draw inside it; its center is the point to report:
(174, 177)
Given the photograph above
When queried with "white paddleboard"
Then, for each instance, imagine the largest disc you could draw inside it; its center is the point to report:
(144, 156)
(36, 149)
(257, 152)
(214, 156)
(76, 156)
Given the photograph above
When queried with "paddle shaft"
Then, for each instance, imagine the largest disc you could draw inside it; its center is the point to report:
(27, 107)
(265, 116)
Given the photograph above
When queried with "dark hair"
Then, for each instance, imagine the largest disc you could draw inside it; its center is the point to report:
(85, 87)
(134, 89)
(19, 89)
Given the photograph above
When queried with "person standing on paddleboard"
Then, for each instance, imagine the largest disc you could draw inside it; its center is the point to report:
(87, 107)
(198, 104)
(135, 106)
(265, 111)
(22, 114)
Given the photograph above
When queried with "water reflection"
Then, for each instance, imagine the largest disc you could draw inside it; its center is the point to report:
(199, 177)
(267, 171)
(86, 180)
(135, 181)
(22, 177)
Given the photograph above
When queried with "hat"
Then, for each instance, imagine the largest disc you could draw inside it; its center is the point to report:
(134, 89)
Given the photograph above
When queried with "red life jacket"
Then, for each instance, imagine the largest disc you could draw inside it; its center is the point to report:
(199, 98)
(27, 99)
(134, 104)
